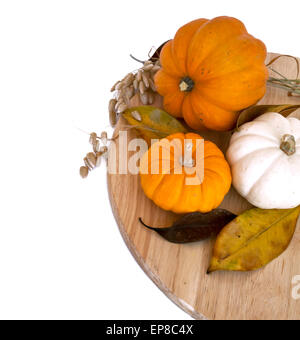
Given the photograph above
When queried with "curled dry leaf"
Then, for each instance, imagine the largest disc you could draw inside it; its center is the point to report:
(156, 54)
(195, 227)
(254, 239)
(254, 112)
(153, 123)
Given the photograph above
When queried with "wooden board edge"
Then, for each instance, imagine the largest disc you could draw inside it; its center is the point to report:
(154, 278)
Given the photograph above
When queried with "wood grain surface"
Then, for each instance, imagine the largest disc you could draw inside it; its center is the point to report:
(180, 270)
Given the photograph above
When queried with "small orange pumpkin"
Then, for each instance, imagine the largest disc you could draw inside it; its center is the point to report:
(211, 70)
(168, 186)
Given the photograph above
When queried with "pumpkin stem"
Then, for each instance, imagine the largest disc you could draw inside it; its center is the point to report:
(187, 160)
(186, 84)
(288, 144)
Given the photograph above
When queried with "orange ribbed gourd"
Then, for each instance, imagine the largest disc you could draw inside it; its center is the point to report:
(170, 190)
(210, 71)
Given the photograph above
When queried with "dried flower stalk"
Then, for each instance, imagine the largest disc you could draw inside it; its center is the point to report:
(290, 85)
(140, 82)
(93, 159)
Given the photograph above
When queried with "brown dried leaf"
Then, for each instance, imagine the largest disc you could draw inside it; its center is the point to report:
(195, 227)
(156, 54)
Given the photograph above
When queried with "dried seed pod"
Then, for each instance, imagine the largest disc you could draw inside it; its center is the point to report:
(155, 68)
(128, 75)
(139, 75)
(96, 146)
(144, 98)
(135, 84)
(84, 171)
(119, 103)
(112, 118)
(93, 138)
(98, 159)
(142, 87)
(112, 112)
(148, 67)
(122, 107)
(88, 164)
(150, 98)
(114, 87)
(152, 85)
(112, 105)
(103, 153)
(103, 150)
(91, 157)
(129, 92)
(128, 79)
(119, 86)
(120, 95)
(117, 106)
(141, 82)
(148, 62)
(136, 115)
(103, 138)
(145, 77)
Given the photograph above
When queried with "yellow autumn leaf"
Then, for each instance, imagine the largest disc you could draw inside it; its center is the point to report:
(152, 122)
(254, 239)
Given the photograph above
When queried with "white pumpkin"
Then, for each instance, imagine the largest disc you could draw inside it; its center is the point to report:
(265, 161)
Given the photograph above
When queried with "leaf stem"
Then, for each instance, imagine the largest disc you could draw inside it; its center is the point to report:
(145, 225)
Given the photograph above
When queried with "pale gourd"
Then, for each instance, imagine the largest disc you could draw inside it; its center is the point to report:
(265, 161)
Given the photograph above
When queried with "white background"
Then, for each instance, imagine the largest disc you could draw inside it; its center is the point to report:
(61, 254)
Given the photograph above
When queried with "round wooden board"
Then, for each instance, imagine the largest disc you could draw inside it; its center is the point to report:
(180, 270)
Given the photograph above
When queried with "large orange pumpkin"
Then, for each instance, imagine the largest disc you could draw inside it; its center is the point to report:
(211, 70)
(170, 190)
